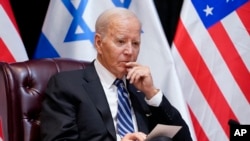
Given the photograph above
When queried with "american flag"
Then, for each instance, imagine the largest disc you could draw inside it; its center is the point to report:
(11, 45)
(211, 50)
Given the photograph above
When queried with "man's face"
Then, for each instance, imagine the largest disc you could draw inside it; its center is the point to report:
(121, 44)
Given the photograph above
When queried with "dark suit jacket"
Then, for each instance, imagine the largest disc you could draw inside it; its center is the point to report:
(75, 108)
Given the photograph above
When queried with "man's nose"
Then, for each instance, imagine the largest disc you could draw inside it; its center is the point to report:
(129, 48)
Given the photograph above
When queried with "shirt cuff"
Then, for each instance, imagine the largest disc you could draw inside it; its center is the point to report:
(155, 100)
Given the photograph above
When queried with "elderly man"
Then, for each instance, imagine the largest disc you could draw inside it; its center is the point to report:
(114, 98)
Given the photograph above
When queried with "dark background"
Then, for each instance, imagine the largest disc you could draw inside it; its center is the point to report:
(30, 15)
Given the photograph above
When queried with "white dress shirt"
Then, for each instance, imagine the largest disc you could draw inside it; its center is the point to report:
(107, 79)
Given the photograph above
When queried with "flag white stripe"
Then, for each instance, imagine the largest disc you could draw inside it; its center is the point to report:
(11, 38)
(240, 38)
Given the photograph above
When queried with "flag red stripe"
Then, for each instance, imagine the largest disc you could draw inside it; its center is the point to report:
(231, 57)
(243, 13)
(5, 55)
(200, 134)
(203, 77)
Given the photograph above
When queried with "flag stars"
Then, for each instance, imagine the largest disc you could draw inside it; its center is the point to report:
(208, 10)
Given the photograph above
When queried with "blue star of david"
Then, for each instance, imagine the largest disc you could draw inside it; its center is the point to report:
(124, 4)
(78, 21)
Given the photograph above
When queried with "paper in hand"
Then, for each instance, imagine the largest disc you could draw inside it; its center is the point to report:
(163, 130)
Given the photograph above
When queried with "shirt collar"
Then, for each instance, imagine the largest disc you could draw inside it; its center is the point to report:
(106, 77)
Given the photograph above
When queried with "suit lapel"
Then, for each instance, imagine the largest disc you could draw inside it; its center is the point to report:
(94, 88)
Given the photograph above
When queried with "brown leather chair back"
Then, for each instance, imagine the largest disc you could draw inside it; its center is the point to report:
(22, 86)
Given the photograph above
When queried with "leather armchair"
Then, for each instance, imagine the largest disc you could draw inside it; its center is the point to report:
(22, 86)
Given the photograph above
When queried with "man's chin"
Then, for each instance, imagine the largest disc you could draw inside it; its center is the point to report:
(124, 71)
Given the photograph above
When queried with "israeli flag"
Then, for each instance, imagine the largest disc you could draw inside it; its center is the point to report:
(69, 29)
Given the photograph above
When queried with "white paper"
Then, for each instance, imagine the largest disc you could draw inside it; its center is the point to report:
(163, 130)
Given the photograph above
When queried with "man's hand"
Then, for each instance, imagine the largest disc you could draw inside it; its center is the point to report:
(140, 76)
(137, 136)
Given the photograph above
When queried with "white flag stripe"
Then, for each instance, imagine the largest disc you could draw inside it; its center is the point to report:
(240, 38)
(11, 38)
(217, 66)
(198, 103)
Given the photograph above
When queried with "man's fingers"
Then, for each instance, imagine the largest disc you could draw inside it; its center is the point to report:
(131, 64)
(137, 136)
(135, 74)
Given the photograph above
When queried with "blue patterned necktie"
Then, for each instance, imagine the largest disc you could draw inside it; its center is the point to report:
(124, 117)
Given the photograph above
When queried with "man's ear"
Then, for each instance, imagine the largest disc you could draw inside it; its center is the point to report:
(98, 43)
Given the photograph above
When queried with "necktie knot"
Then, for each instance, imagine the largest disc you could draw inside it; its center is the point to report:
(119, 82)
